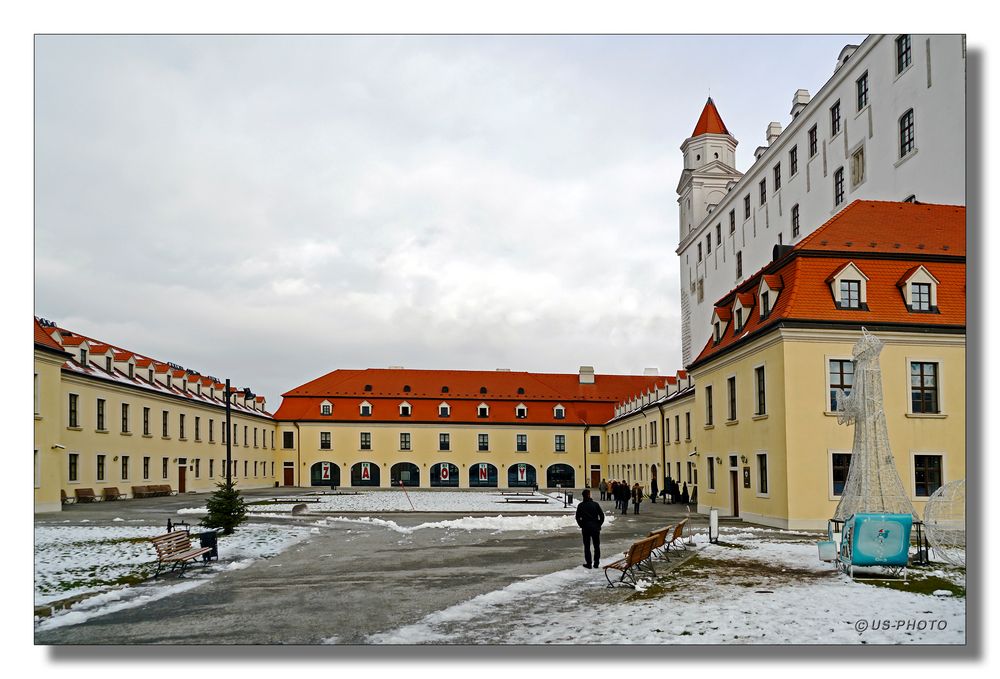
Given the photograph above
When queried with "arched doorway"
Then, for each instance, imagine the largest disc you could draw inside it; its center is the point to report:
(444, 475)
(365, 474)
(325, 473)
(483, 475)
(652, 476)
(407, 472)
(561, 475)
(521, 475)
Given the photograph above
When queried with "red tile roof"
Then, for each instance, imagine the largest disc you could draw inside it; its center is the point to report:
(710, 122)
(590, 403)
(43, 338)
(73, 340)
(806, 273)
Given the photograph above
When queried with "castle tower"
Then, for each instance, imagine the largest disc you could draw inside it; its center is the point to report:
(709, 171)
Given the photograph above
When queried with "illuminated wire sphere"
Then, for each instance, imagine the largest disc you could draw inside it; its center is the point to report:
(944, 520)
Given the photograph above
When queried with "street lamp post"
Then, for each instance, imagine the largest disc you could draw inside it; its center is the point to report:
(229, 437)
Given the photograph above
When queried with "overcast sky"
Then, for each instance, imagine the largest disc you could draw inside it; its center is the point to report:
(272, 208)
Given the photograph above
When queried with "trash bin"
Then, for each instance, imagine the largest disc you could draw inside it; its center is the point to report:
(210, 539)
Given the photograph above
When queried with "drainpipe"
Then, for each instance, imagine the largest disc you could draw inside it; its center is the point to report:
(663, 447)
(586, 467)
(298, 454)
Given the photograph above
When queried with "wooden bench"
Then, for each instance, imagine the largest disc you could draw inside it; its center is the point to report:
(660, 540)
(676, 538)
(638, 556)
(66, 499)
(111, 493)
(175, 549)
(532, 500)
(163, 490)
(86, 495)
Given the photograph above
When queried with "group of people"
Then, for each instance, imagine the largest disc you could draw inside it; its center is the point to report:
(622, 494)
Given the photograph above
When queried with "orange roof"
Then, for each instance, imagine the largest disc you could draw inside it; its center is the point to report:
(723, 313)
(773, 282)
(806, 275)
(710, 121)
(142, 362)
(461, 389)
(73, 341)
(123, 355)
(44, 339)
(886, 227)
(746, 299)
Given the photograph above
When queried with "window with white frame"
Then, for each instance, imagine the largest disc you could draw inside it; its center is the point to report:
(521, 411)
(484, 442)
(760, 390)
(708, 405)
(924, 387)
(762, 486)
(101, 467)
(483, 410)
(838, 186)
(444, 410)
(903, 54)
(325, 440)
(522, 443)
(325, 408)
(840, 377)
(73, 473)
(559, 412)
(920, 296)
(858, 167)
(404, 441)
(813, 140)
(777, 176)
(907, 136)
(444, 441)
(793, 161)
(365, 409)
(795, 221)
(861, 89)
(840, 464)
(405, 409)
(560, 443)
(835, 119)
(711, 473)
(366, 440)
(731, 390)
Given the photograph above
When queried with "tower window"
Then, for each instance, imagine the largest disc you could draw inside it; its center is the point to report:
(903, 56)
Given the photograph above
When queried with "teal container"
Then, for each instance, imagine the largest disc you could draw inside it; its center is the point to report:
(876, 540)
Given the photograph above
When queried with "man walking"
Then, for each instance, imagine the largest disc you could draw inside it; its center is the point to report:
(590, 518)
(603, 486)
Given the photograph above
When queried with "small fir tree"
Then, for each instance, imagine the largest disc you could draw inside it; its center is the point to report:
(226, 508)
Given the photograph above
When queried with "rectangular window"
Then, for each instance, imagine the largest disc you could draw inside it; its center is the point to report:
(902, 53)
(124, 467)
(287, 439)
(38, 407)
(145, 421)
(924, 387)
(858, 166)
(762, 473)
(165, 415)
(211, 468)
(835, 119)
(708, 405)
(920, 296)
(718, 235)
(197, 428)
(325, 440)
(652, 433)
(74, 411)
(100, 467)
(862, 90)
(255, 437)
(793, 161)
(926, 474)
(699, 252)
(731, 388)
(125, 424)
(677, 428)
(404, 441)
(708, 244)
(444, 441)
(763, 191)
(761, 392)
(842, 378)
(483, 411)
(739, 265)
(236, 435)
(211, 431)
(484, 442)
(74, 460)
(366, 440)
(841, 465)
(666, 430)
(166, 467)
(687, 426)
(595, 444)
(197, 467)
(444, 411)
(732, 221)
(765, 297)
(180, 426)
(850, 294)
(906, 135)
(777, 176)
(746, 207)
(100, 414)
(255, 467)
(711, 473)
(838, 186)
(366, 410)
(522, 442)
(813, 141)
(246, 440)
(560, 443)
(246, 466)
(795, 221)
(145, 469)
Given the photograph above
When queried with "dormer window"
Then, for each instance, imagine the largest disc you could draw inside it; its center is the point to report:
(366, 409)
(919, 288)
(482, 390)
(107, 363)
(444, 410)
(406, 387)
(520, 390)
(720, 319)
(559, 412)
(849, 286)
(850, 294)
(169, 380)
(444, 390)
(368, 387)
(325, 408)
(521, 411)
(150, 375)
(83, 357)
(765, 304)
(739, 320)
(405, 409)
(718, 332)
(483, 410)
(131, 371)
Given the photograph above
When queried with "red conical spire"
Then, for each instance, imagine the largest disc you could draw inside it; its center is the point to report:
(710, 121)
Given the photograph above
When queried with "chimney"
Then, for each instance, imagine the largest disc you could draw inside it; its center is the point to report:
(844, 55)
(651, 372)
(773, 130)
(799, 101)
(587, 374)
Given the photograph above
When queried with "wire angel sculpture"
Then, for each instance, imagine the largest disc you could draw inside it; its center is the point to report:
(873, 484)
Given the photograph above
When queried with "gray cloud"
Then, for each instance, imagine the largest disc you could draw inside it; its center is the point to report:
(271, 208)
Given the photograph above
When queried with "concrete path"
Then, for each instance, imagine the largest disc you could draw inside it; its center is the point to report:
(339, 585)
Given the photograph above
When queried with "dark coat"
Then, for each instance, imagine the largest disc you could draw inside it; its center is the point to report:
(589, 515)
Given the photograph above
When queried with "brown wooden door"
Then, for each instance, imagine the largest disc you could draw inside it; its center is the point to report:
(734, 482)
(181, 479)
(595, 478)
(289, 476)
